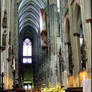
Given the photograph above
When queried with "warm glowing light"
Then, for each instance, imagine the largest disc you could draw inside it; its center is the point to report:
(82, 76)
(8, 82)
(71, 81)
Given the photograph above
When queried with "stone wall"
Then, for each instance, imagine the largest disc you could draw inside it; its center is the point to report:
(7, 53)
(70, 11)
(49, 65)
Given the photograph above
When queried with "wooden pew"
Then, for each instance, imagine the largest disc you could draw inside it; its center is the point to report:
(15, 90)
(74, 89)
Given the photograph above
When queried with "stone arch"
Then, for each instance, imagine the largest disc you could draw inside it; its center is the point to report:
(80, 36)
(29, 26)
(29, 11)
(77, 15)
(77, 10)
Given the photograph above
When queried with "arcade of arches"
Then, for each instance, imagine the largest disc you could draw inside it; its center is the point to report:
(45, 41)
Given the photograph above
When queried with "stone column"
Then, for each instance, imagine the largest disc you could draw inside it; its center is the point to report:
(66, 66)
(86, 10)
(65, 56)
(76, 53)
(2, 54)
(88, 20)
(74, 32)
(15, 36)
(53, 30)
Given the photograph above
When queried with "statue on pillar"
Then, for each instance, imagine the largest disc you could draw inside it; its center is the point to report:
(4, 40)
(83, 55)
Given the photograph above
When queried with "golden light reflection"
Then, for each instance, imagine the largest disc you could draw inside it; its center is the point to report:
(8, 82)
(71, 81)
(82, 76)
(76, 81)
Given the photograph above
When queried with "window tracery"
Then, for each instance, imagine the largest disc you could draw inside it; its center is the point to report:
(27, 51)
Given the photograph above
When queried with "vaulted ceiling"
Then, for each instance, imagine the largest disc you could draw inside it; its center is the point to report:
(29, 13)
(29, 26)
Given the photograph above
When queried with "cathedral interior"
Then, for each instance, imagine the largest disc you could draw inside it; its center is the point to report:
(45, 42)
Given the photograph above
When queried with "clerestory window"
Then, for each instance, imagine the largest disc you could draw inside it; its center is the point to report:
(27, 51)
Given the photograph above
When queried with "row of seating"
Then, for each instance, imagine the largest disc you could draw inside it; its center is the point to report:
(74, 89)
(14, 90)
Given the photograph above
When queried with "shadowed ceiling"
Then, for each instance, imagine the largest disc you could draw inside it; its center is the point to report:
(29, 13)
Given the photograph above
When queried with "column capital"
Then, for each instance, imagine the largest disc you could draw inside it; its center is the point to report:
(76, 35)
(89, 20)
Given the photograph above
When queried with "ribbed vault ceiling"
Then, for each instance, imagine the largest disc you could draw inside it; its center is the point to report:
(29, 13)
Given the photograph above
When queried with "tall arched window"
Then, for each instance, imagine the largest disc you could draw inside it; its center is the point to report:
(27, 51)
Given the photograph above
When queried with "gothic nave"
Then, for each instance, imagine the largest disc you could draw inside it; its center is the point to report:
(45, 44)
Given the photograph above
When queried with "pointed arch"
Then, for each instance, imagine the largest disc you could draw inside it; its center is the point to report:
(29, 13)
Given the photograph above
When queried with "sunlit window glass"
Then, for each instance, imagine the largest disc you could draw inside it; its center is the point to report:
(27, 51)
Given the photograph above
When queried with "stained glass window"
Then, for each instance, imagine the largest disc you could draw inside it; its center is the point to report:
(27, 51)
